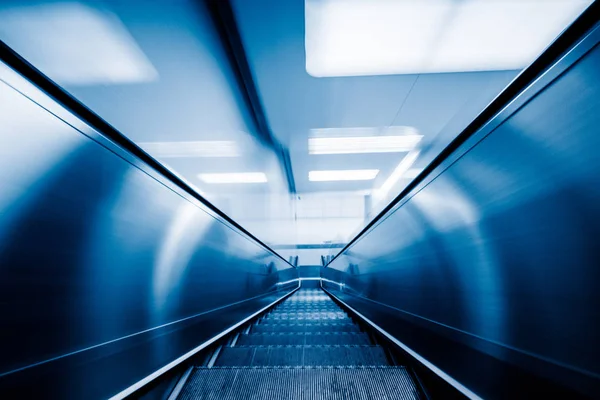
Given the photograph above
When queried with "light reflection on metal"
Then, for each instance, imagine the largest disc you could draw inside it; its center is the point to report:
(446, 210)
(21, 118)
(187, 228)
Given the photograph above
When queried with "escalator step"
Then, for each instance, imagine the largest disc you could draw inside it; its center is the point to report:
(307, 316)
(389, 383)
(264, 327)
(292, 356)
(275, 339)
(307, 309)
(280, 321)
(315, 304)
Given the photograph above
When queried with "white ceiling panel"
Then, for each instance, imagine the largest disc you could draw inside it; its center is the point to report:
(383, 37)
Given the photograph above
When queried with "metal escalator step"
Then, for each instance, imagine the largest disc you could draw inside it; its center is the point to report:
(307, 322)
(307, 316)
(302, 321)
(386, 383)
(276, 339)
(315, 304)
(344, 356)
(292, 356)
(310, 299)
(265, 327)
(306, 309)
(307, 312)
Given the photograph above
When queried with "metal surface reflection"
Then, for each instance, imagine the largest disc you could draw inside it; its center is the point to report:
(107, 270)
(492, 260)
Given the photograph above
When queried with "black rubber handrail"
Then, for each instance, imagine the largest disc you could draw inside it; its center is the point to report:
(65, 99)
(586, 21)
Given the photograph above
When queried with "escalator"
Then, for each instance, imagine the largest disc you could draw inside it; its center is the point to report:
(306, 347)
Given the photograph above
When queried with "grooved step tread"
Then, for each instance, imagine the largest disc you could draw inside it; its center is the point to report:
(300, 317)
(280, 321)
(308, 305)
(336, 312)
(307, 311)
(331, 338)
(320, 327)
(262, 356)
(387, 383)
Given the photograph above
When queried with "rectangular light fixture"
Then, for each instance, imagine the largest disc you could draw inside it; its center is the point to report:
(206, 148)
(362, 144)
(234, 177)
(383, 37)
(343, 175)
(76, 44)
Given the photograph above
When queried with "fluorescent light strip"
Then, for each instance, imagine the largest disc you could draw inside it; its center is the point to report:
(362, 144)
(234, 177)
(206, 148)
(343, 175)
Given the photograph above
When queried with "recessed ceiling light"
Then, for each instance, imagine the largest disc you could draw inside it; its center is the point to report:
(76, 44)
(381, 37)
(343, 175)
(234, 177)
(207, 148)
(364, 144)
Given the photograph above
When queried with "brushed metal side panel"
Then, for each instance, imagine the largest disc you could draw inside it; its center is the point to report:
(95, 250)
(499, 251)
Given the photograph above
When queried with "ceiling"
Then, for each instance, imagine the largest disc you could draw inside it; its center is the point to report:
(158, 72)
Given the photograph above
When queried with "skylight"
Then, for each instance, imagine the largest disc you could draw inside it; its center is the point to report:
(234, 177)
(343, 175)
(382, 37)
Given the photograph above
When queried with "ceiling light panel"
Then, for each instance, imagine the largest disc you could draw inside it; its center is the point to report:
(368, 144)
(234, 177)
(207, 148)
(343, 175)
(76, 44)
(382, 37)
